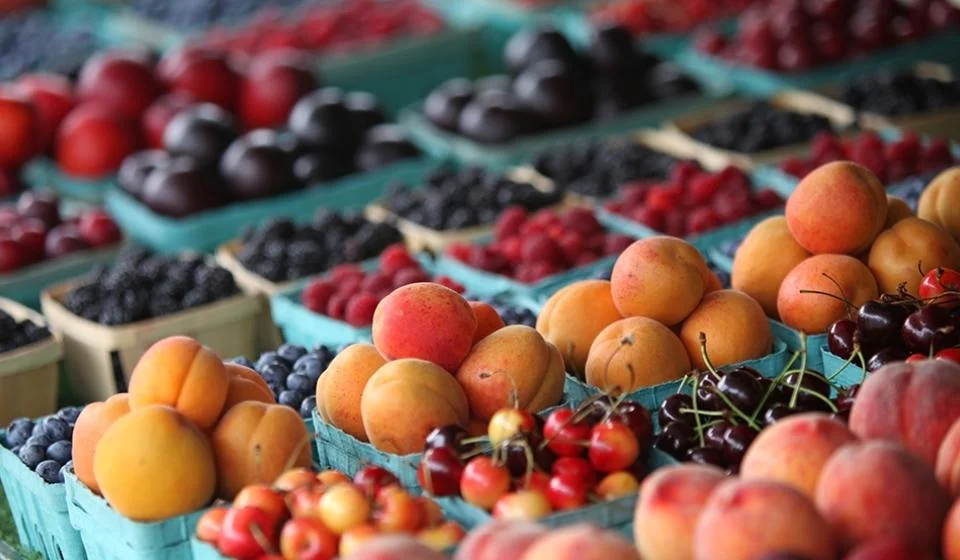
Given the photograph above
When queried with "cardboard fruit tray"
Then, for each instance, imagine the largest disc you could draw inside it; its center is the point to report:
(29, 376)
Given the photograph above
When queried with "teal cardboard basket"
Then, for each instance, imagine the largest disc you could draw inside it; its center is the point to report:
(43, 173)
(206, 231)
(107, 535)
(313, 448)
(25, 285)
(841, 373)
(204, 551)
(39, 510)
(792, 338)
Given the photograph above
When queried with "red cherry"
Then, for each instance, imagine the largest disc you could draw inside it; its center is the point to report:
(52, 97)
(507, 423)
(950, 354)
(916, 358)
(440, 471)
(119, 81)
(372, 478)
(11, 255)
(566, 492)
(939, 281)
(577, 467)
(565, 438)
(31, 234)
(237, 535)
(483, 482)
(613, 447)
(639, 420)
(98, 229)
(536, 481)
(159, 114)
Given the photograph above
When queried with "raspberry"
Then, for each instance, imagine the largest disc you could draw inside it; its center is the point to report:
(585, 258)
(317, 294)
(733, 178)
(450, 283)
(825, 148)
(731, 206)
(510, 222)
(615, 206)
(675, 223)
(903, 155)
(664, 199)
(635, 195)
(710, 41)
(701, 189)
(937, 156)
(460, 251)
(766, 199)
(653, 219)
(536, 271)
(571, 243)
(616, 243)
(795, 167)
(542, 248)
(512, 249)
(394, 258)
(682, 173)
(337, 306)
(702, 219)
(360, 308)
(350, 285)
(866, 155)
(595, 243)
(379, 281)
(581, 220)
(344, 271)
(409, 276)
(489, 259)
(556, 231)
(546, 218)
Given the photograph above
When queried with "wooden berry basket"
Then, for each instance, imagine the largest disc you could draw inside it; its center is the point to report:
(29, 376)
(99, 358)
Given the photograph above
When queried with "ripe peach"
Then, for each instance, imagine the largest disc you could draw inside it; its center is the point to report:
(838, 208)
(751, 518)
(912, 403)
(909, 249)
(338, 397)
(735, 326)
(669, 506)
(940, 200)
(256, 443)
(514, 356)
(814, 313)
(948, 460)
(794, 450)
(245, 385)
(425, 321)
(635, 352)
(661, 277)
(767, 254)
(394, 547)
(877, 490)
(951, 534)
(581, 542)
(153, 464)
(92, 423)
(179, 372)
(573, 317)
(422, 393)
(488, 320)
(498, 540)
(897, 209)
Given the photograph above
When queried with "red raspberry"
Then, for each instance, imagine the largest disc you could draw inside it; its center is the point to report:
(585, 258)
(682, 172)
(653, 219)
(664, 199)
(349, 285)
(796, 167)
(635, 194)
(825, 148)
(571, 243)
(542, 248)
(675, 223)
(556, 231)
(865, 154)
(394, 258)
(581, 220)
(616, 243)
(531, 227)
(904, 156)
(536, 271)
(734, 178)
(546, 218)
(378, 281)
(615, 206)
(343, 271)
(450, 283)
(512, 249)
(510, 222)
(700, 189)
(489, 259)
(317, 294)
(460, 251)
(710, 41)
(595, 243)
(766, 199)
(360, 308)
(337, 306)
(937, 156)
(702, 219)
(409, 276)
(731, 206)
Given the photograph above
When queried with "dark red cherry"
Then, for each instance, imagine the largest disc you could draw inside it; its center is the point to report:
(879, 323)
(676, 439)
(707, 456)
(451, 435)
(841, 338)
(741, 389)
(930, 327)
(670, 409)
(736, 441)
(778, 412)
(638, 418)
(811, 382)
(886, 356)
(713, 436)
(439, 472)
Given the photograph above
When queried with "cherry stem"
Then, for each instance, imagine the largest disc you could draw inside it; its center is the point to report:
(736, 410)
(702, 412)
(823, 398)
(706, 358)
(696, 410)
(803, 369)
(773, 386)
(712, 423)
(863, 366)
(847, 362)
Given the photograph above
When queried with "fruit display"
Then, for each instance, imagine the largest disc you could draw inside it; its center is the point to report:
(598, 169)
(795, 36)
(291, 373)
(551, 86)
(644, 17)
(327, 515)
(17, 334)
(328, 28)
(895, 94)
(280, 250)
(140, 285)
(891, 161)
(351, 294)
(531, 247)
(33, 41)
(33, 230)
(525, 540)
(528, 468)
(452, 200)
(761, 127)
(43, 445)
(692, 201)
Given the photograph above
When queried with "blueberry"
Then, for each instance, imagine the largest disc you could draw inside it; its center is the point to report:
(70, 414)
(32, 455)
(275, 373)
(300, 382)
(49, 471)
(325, 354)
(291, 399)
(291, 352)
(243, 361)
(268, 359)
(15, 450)
(67, 467)
(37, 428)
(19, 432)
(40, 439)
(307, 406)
(60, 451)
(309, 365)
(56, 429)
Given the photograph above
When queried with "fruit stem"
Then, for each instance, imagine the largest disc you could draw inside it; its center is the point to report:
(830, 404)
(702, 412)
(696, 410)
(712, 423)
(773, 386)
(706, 358)
(847, 362)
(514, 391)
(736, 410)
(863, 366)
(803, 369)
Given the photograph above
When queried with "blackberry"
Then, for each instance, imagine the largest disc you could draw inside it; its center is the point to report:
(113, 313)
(7, 323)
(81, 298)
(271, 270)
(195, 298)
(216, 281)
(279, 229)
(130, 256)
(154, 267)
(136, 301)
(163, 305)
(761, 127)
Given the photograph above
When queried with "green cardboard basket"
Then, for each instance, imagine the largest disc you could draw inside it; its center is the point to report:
(107, 535)
(207, 230)
(39, 510)
(43, 172)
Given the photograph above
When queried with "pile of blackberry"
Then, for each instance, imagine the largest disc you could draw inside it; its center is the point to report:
(599, 169)
(900, 94)
(14, 334)
(32, 41)
(281, 250)
(761, 127)
(292, 373)
(44, 445)
(201, 14)
(466, 198)
(140, 285)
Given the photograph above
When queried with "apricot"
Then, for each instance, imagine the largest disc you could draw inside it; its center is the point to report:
(406, 399)
(669, 506)
(426, 321)
(394, 547)
(488, 320)
(767, 254)
(581, 542)
(257, 442)
(499, 539)
(910, 247)
(89, 428)
(794, 450)
(338, 396)
(752, 518)
(940, 200)
(915, 404)
(838, 208)
(897, 209)
(735, 326)
(633, 353)
(245, 385)
(951, 534)
(948, 460)
(154, 464)
(661, 277)
(513, 362)
(573, 317)
(877, 489)
(180, 372)
(814, 312)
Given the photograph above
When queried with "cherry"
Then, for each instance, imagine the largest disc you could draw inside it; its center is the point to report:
(439, 472)
(707, 397)
(483, 482)
(11, 255)
(31, 235)
(778, 412)
(564, 437)
(451, 435)
(238, 537)
(507, 423)
(841, 338)
(736, 441)
(638, 418)
(879, 322)
(566, 491)
(577, 467)
(713, 436)
(886, 356)
(741, 389)
(930, 328)
(536, 481)
(372, 478)
(613, 446)
(951, 354)
(707, 456)
(676, 438)
(517, 456)
(812, 382)
(936, 282)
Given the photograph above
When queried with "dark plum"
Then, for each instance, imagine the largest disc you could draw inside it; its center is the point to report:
(384, 144)
(364, 113)
(494, 117)
(612, 49)
(444, 104)
(553, 92)
(182, 189)
(321, 119)
(534, 44)
(202, 132)
(259, 164)
(135, 169)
